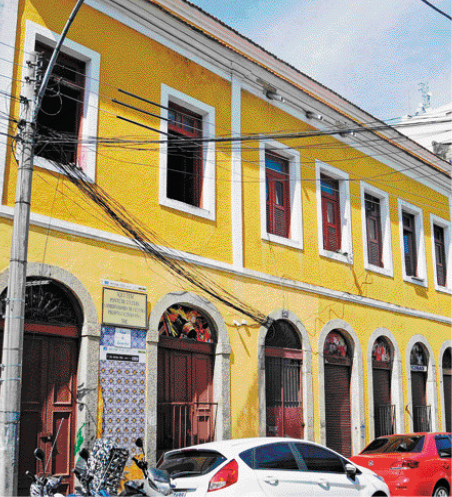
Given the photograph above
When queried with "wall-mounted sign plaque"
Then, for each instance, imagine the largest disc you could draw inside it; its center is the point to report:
(124, 309)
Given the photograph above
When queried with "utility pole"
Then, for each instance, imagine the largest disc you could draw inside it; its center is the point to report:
(11, 381)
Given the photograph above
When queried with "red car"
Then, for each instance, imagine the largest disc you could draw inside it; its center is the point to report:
(411, 464)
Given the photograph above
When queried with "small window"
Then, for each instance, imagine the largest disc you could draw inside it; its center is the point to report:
(60, 116)
(320, 460)
(443, 446)
(331, 213)
(277, 194)
(440, 255)
(187, 463)
(274, 456)
(409, 244)
(402, 443)
(373, 226)
(185, 165)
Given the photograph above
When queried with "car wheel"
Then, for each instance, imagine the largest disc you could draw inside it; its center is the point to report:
(441, 491)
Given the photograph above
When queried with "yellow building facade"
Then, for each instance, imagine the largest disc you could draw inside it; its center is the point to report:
(284, 193)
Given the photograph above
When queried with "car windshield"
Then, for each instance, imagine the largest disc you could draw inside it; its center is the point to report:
(404, 443)
(188, 463)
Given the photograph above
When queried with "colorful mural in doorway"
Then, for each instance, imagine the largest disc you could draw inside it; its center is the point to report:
(183, 322)
(381, 351)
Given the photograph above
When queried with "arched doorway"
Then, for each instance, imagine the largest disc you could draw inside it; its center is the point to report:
(283, 381)
(53, 320)
(337, 362)
(384, 409)
(419, 367)
(186, 412)
(447, 375)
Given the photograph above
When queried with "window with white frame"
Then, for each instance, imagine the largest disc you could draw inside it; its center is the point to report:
(69, 110)
(376, 225)
(280, 193)
(440, 234)
(187, 162)
(333, 213)
(412, 243)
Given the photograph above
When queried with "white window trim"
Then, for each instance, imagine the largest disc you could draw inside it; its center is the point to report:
(421, 278)
(387, 269)
(296, 219)
(443, 223)
(207, 112)
(346, 252)
(86, 159)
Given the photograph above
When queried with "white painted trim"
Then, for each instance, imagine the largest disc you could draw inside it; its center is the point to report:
(308, 406)
(357, 405)
(88, 154)
(447, 344)
(8, 27)
(296, 218)
(108, 237)
(161, 31)
(236, 174)
(387, 269)
(346, 252)
(443, 223)
(396, 381)
(421, 278)
(207, 112)
(431, 389)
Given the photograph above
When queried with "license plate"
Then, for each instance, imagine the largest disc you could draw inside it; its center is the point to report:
(179, 494)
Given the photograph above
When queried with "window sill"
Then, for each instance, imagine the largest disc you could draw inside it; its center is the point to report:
(49, 166)
(380, 270)
(443, 289)
(288, 242)
(188, 209)
(415, 280)
(345, 257)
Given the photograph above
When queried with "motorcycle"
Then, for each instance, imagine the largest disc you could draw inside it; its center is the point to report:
(155, 483)
(43, 486)
(100, 471)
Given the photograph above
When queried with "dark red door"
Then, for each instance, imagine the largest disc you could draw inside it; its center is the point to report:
(338, 409)
(186, 412)
(447, 400)
(48, 407)
(382, 402)
(421, 412)
(283, 384)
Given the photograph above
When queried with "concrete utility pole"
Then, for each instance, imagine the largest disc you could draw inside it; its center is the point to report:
(11, 381)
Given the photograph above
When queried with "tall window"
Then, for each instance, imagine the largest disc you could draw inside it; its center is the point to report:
(184, 178)
(373, 225)
(331, 213)
(278, 194)
(440, 255)
(409, 244)
(60, 116)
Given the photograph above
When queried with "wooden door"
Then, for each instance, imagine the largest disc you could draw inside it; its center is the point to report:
(447, 400)
(48, 408)
(382, 401)
(419, 392)
(338, 409)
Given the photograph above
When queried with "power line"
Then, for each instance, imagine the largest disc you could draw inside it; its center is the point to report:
(437, 10)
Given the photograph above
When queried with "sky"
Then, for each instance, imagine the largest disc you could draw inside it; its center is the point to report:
(374, 53)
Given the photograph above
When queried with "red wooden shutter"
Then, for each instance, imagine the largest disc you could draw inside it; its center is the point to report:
(447, 400)
(331, 214)
(440, 255)
(338, 409)
(278, 195)
(409, 244)
(382, 397)
(373, 228)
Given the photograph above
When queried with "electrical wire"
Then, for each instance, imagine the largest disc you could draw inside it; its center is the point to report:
(437, 10)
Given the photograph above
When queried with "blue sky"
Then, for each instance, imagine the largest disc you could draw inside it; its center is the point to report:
(372, 52)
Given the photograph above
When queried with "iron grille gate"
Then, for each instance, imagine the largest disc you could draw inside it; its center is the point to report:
(422, 419)
(283, 397)
(385, 420)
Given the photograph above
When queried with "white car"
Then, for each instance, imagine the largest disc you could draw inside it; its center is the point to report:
(267, 467)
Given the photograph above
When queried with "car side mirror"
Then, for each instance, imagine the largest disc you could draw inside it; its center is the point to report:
(351, 471)
(139, 443)
(84, 454)
(39, 454)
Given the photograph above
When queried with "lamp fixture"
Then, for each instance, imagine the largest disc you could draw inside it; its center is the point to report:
(313, 115)
(272, 95)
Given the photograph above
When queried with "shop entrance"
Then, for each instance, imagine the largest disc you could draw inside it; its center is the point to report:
(49, 382)
(384, 410)
(419, 368)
